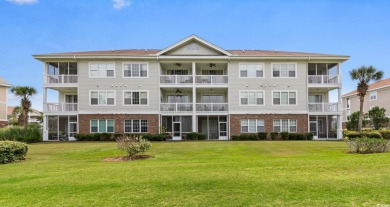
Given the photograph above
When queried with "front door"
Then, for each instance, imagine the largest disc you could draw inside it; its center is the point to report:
(222, 130)
(314, 129)
(176, 131)
(72, 129)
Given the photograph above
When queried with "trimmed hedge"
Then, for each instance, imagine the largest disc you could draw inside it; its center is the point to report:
(245, 137)
(284, 135)
(297, 136)
(201, 136)
(309, 136)
(274, 135)
(262, 135)
(365, 145)
(154, 137)
(368, 134)
(11, 151)
(114, 136)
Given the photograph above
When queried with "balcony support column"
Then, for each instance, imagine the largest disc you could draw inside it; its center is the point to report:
(194, 121)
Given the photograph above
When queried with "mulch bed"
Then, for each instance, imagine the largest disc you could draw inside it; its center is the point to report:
(126, 158)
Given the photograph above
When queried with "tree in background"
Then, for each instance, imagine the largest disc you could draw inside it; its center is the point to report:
(17, 117)
(24, 92)
(353, 122)
(378, 117)
(364, 75)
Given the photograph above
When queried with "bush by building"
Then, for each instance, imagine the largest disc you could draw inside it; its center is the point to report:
(11, 151)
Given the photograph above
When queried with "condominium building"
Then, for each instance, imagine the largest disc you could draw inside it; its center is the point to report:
(3, 102)
(378, 94)
(192, 86)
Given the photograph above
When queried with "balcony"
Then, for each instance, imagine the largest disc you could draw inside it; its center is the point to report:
(323, 79)
(61, 79)
(212, 107)
(176, 80)
(60, 107)
(324, 107)
(211, 80)
(176, 107)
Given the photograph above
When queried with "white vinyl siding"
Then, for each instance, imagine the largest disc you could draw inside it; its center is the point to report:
(251, 98)
(135, 70)
(285, 125)
(284, 70)
(136, 126)
(102, 70)
(102, 126)
(252, 125)
(251, 70)
(102, 98)
(135, 98)
(284, 98)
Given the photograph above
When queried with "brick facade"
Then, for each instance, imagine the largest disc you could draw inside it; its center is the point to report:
(3, 124)
(235, 121)
(153, 121)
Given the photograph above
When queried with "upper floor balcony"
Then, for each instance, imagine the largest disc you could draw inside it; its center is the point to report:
(188, 107)
(325, 80)
(60, 107)
(176, 107)
(324, 107)
(211, 80)
(212, 107)
(175, 80)
(61, 79)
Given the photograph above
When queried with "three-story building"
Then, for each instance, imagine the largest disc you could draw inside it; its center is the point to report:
(192, 86)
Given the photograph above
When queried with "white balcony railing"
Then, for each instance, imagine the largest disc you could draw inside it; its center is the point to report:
(176, 79)
(211, 79)
(60, 107)
(175, 107)
(61, 79)
(323, 79)
(213, 107)
(324, 107)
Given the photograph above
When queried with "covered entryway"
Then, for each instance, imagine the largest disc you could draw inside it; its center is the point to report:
(214, 127)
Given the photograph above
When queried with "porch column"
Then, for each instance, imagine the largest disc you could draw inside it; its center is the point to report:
(194, 128)
(339, 127)
(45, 130)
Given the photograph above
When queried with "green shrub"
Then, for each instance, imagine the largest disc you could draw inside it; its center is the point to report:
(33, 133)
(368, 134)
(284, 135)
(11, 151)
(274, 135)
(154, 137)
(248, 137)
(235, 137)
(192, 136)
(201, 136)
(309, 136)
(365, 145)
(373, 134)
(262, 135)
(385, 134)
(133, 145)
(297, 136)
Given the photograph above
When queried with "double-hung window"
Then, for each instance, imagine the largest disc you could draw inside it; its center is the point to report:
(102, 70)
(136, 126)
(285, 125)
(135, 98)
(284, 98)
(102, 98)
(373, 95)
(251, 97)
(138, 70)
(284, 70)
(251, 70)
(102, 126)
(252, 125)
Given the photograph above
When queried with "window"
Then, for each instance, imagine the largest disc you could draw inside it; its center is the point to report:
(102, 126)
(252, 125)
(135, 70)
(102, 70)
(135, 98)
(251, 70)
(348, 103)
(373, 95)
(102, 98)
(136, 126)
(284, 70)
(284, 98)
(285, 125)
(251, 97)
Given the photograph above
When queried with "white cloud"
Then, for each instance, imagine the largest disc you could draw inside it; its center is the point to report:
(21, 2)
(119, 4)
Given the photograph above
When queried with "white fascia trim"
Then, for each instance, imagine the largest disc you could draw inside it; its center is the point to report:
(339, 58)
(190, 38)
(106, 112)
(72, 57)
(268, 112)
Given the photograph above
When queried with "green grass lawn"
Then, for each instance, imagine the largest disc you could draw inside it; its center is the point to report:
(259, 173)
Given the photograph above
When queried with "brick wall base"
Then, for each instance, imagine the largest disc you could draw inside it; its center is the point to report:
(3, 124)
(235, 121)
(85, 121)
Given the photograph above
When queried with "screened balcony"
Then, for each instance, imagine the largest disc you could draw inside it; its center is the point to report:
(61, 73)
(324, 107)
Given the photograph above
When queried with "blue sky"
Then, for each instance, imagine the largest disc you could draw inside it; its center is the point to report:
(360, 29)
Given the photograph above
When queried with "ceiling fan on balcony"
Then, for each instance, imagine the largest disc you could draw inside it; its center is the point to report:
(178, 92)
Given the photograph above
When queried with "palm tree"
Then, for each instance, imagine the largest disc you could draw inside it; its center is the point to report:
(17, 117)
(364, 75)
(25, 103)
